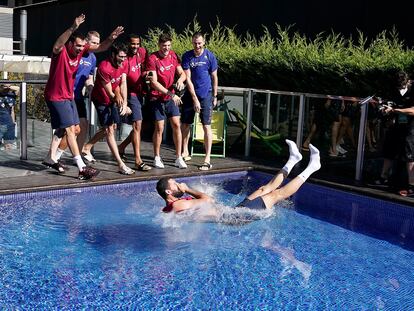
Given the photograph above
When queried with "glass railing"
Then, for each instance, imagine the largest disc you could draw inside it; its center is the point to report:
(258, 122)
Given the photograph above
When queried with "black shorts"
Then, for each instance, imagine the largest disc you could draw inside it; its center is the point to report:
(399, 143)
(256, 204)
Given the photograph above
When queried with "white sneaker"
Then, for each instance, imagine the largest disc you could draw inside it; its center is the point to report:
(180, 163)
(158, 162)
(340, 149)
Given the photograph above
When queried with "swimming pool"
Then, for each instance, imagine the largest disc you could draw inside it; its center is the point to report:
(109, 247)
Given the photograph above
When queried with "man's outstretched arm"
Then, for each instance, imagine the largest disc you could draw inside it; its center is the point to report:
(64, 37)
(108, 41)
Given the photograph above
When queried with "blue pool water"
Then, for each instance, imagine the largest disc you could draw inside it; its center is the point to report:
(110, 248)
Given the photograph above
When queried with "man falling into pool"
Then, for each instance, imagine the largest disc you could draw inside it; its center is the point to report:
(263, 198)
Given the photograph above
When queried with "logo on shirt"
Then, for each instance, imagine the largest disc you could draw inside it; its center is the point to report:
(85, 62)
(197, 64)
(73, 63)
(166, 68)
(113, 80)
(136, 67)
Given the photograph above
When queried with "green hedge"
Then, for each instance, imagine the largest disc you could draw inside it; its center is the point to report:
(281, 59)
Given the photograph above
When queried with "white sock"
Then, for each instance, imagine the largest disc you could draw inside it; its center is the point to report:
(79, 162)
(294, 157)
(314, 163)
(59, 153)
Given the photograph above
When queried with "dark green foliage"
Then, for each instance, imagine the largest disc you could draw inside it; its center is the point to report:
(287, 60)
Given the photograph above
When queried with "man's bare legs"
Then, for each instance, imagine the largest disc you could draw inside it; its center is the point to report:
(122, 146)
(63, 145)
(86, 150)
(69, 134)
(185, 133)
(334, 138)
(157, 137)
(294, 158)
(308, 139)
(110, 139)
(275, 195)
(208, 142)
(81, 138)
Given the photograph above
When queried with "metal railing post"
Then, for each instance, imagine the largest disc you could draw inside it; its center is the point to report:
(248, 123)
(361, 142)
(267, 117)
(301, 119)
(23, 121)
(277, 111)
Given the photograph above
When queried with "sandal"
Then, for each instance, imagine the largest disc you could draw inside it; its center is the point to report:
(205, 166)
(187, 158)
(88, 157)
(125, 170)
(56, 166)
(142, 167)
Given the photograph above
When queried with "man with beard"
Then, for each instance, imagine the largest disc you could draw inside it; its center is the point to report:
(111, 105)
(200, 66)
(67, 52)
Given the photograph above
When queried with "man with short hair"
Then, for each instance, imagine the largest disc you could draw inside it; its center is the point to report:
(200, 66)
(111, 105)
(136, 83)
(263, 198)
(84, 82)
(162, 66)
(67, 52)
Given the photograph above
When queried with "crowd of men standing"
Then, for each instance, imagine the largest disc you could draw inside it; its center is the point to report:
(122, 81)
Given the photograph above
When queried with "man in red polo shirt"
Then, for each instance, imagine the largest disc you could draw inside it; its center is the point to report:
(163, 65)
(67, 52)
(136, 83)
(111, 105)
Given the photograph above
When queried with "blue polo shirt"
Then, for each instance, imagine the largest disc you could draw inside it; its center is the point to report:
(201, 68)
(86, 67)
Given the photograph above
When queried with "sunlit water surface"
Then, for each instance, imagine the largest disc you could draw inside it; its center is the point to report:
(112, 248)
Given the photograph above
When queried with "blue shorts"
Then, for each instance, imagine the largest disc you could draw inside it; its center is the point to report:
(63, 114)
(163, 110)
(81, 106)
(135, 103)
(108, 115)
(187, 115)
(257, 204)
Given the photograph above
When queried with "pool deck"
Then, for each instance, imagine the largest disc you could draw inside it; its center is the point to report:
(20, 176)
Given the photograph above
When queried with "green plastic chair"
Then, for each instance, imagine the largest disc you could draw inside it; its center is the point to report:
(270, 141)
(218, 129)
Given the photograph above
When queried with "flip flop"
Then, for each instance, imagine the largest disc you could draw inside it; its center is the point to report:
(88, 157)
(56, 166)
(126, 171)
(205, 166)
(143, 167)
(187, 158)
